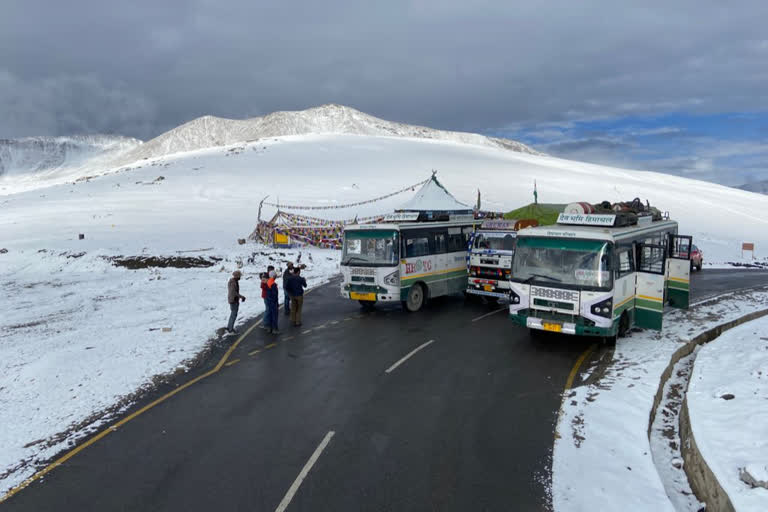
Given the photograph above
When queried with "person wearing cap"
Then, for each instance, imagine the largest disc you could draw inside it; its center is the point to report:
(234, 297)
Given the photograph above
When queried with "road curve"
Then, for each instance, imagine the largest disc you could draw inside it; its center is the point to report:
(466, 422)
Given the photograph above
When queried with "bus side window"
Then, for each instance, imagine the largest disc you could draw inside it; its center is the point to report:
(626, 262)
(416, 246)
(441, 243)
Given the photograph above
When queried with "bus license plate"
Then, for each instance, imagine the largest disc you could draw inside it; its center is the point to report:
(488, 287)
(362, 296)
(548, 326)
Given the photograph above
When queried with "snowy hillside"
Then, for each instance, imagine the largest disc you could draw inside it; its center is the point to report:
(210, 131)
(206, 189)
(40, 161)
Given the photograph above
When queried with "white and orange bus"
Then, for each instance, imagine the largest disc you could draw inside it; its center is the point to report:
(405, 259)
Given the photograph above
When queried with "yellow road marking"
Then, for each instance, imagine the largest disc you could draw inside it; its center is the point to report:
(64, 458)
(271, 345)
(569, 383)
(230, 363)
(254, 352)
(577, 365)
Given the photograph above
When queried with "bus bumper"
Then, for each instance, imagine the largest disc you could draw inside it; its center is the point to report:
(371, 296)
(488, 288)
(542, 325)
(497, 294)
(576, 327)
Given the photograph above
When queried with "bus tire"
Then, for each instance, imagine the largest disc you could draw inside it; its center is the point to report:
(623, 325)
(415, 299)
(367, 305)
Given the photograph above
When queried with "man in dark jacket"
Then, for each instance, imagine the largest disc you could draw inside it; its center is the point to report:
(234, 298)
(294, 286)
(272, 302)
(286, 275)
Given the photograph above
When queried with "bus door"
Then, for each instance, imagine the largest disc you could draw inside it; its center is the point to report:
(649, 287)
(678, 271)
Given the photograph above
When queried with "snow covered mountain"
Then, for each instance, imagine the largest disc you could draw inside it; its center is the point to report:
(41, 161)
(210, 131)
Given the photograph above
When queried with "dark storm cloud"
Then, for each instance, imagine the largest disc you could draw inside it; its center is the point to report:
(139, 68)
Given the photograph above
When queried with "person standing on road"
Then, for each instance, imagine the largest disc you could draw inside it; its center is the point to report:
(273, 299)
(286, 276)
(264, 279)
(234, 298)
(295, 288)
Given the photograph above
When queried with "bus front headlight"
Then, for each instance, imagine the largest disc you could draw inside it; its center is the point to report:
(603, 308)
(392, 279)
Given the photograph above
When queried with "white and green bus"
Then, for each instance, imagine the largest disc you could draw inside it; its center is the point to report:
(587, 276)
(405, 260)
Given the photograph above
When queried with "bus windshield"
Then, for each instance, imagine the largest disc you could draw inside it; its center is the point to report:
(495, 241)
(582, 264)
(370, 248)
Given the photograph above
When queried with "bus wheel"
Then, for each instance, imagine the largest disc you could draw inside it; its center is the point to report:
(623, 325)
(415, 298)
(367, 305)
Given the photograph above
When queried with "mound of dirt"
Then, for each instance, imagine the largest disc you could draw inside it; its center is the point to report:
(137, 262)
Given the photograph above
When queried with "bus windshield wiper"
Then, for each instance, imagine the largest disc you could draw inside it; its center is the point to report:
(349, 260)
(542, 275)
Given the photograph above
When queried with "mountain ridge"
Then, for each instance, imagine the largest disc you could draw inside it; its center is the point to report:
(211, 131)
(53, 158)
(759, 187)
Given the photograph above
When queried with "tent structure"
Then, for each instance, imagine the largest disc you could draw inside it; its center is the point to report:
(434, 200)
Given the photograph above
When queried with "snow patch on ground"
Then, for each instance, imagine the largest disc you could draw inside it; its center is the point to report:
(728, 406)
(79, 335)
(602, 452)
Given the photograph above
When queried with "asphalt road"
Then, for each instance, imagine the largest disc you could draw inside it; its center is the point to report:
(465, 423)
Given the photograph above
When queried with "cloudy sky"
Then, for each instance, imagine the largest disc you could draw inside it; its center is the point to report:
(678, 86)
